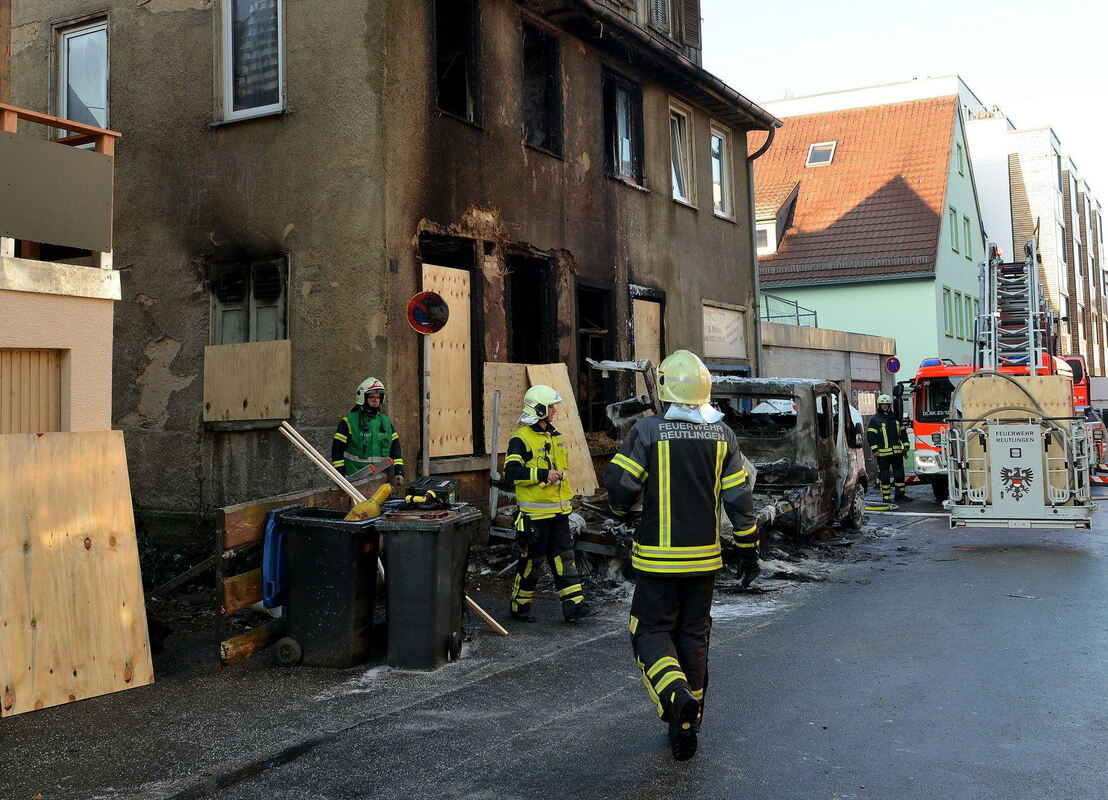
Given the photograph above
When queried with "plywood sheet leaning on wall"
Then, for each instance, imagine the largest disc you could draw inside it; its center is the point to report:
(247, 381)
(72, 617)
(451, 366)
(511, 380)
(581, 472)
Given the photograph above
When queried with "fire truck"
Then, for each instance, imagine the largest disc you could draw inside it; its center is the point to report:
(1004, 439)
(931, 391)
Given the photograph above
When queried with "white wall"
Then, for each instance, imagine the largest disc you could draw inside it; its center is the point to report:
(988, 144)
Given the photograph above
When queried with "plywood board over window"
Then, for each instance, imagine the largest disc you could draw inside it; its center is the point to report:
(72, 619)
(451, 431)
(647, 315)
(30, 391)
(247, 381)
(581, 473)
(724, 333)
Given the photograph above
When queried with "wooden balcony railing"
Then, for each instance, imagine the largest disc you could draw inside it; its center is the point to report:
(56, 193)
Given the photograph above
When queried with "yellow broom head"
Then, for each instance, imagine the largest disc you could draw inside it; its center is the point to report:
(368, 509)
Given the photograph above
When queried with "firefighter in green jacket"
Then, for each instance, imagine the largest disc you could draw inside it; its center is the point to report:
(367, 432)
(888, 440)
(684, 463)
(536, 463)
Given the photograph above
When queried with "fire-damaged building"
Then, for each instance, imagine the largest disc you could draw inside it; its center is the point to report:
(290, 173)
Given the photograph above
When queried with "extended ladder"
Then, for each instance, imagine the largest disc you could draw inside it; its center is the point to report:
(1015, 322)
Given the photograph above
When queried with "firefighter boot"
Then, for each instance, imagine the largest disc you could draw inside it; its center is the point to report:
(572, 611)
(523, 616)
(902, 496)
(684, 713)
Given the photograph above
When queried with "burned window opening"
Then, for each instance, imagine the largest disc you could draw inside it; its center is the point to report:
(532, 311)
(249, 300)
(542, 95)
(759, 416)
(456, 62)
(623, 128)
(594, 340)
(447, 251)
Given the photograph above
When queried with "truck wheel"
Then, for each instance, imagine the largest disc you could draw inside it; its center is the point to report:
(856, 514)
(289, 652)
(941, 488)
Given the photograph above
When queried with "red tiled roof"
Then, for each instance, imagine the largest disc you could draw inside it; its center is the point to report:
(876, 210)
(769, 198)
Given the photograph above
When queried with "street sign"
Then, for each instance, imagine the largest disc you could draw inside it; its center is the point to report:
(892, 364)
(427, 313)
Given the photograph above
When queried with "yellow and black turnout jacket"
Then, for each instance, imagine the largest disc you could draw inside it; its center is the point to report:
(886, 435)
(683, 470)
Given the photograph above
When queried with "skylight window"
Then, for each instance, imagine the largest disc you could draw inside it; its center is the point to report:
(820, 153)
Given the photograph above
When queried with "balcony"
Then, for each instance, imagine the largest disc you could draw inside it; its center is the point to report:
(787, 312)
(57, 285)
(56, 196)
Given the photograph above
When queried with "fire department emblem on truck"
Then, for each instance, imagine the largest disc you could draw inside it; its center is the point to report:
(1017, 481)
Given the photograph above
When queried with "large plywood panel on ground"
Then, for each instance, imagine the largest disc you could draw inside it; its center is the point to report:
(247, 381)
(30, 391)
(72, 617)
(581, 472)
(451, 366)
(511, 380)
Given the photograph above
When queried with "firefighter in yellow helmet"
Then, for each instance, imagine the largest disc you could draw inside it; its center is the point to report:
(537, 462)
(684, 463)
(367, 432)
(888, 440)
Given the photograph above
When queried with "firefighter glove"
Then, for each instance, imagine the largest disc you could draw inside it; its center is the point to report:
(749, 569)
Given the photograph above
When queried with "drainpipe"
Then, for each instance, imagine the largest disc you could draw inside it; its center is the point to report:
(754, 242)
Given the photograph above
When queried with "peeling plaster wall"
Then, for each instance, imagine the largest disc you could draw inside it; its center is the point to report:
(307, 183)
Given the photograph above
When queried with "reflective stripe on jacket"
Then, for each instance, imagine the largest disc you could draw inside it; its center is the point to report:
(361, 437)
(886, 436)
(683, 471)
(532, 453)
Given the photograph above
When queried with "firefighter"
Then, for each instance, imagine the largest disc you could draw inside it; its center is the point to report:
(537, 462)
(683, 462)
(367, 432)
(888, 439)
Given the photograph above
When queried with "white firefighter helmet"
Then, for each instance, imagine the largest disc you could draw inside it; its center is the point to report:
(884, 399)
(537, 403)
(367, 387)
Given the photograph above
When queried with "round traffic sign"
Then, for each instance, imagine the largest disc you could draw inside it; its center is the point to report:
(427, 313)
(892, 364)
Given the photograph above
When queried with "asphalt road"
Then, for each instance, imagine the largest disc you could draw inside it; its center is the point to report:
(936, 665)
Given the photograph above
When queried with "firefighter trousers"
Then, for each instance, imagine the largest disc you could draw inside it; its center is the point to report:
(671, 622)
(550, 540)
(890, 473)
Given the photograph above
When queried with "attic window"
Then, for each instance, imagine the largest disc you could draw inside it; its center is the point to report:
(820, 153)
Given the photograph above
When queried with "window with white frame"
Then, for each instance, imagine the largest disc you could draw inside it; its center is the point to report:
(721, 171)
(680, 148)
(253, 58)
(83, 73)
(820, 153)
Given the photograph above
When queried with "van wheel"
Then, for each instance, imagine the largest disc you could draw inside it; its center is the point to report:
(289, 652)
(941, 488)
(856, 514)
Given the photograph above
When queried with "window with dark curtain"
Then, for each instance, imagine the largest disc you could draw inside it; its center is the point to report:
(455, 51)
(542, 95)
(623, 128)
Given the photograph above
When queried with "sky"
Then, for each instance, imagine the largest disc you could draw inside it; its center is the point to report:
(1040, 68)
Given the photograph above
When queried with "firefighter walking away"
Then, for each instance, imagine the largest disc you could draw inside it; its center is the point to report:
(682, 463)
(537, 462)
(888, 440)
